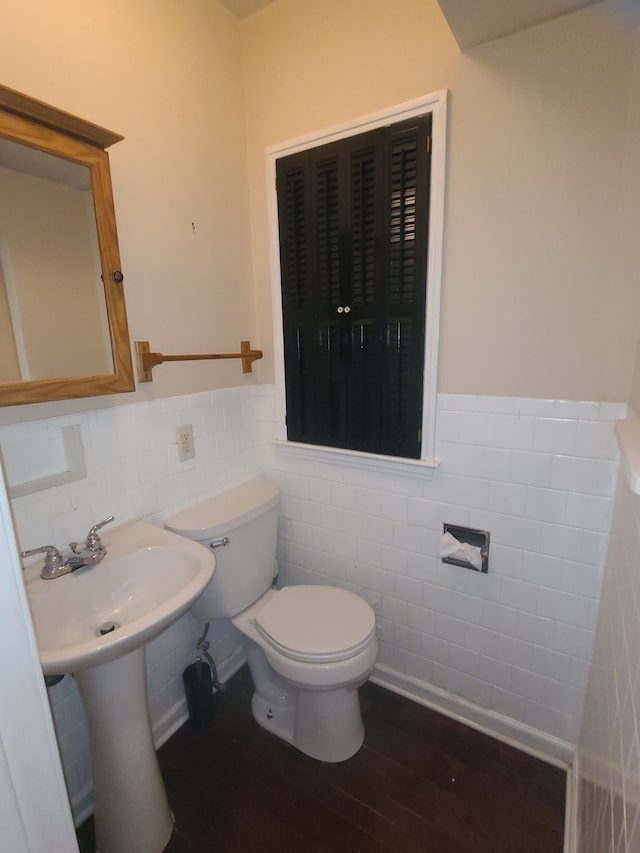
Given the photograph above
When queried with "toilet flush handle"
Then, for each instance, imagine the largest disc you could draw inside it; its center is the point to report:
(218, 541)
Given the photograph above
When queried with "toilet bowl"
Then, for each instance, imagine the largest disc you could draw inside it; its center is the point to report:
(309, 647)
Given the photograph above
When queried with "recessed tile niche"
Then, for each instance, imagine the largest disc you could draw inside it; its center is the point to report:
(36, 459)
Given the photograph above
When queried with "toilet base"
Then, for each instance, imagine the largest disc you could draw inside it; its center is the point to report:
(324, 724)
(329, 724)
(280, 720)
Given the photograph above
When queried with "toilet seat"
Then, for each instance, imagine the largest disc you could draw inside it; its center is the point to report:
(316, 624)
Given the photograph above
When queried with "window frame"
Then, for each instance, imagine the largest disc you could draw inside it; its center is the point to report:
(436, 104)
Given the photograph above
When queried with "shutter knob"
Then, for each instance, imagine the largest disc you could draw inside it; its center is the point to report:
(347, 309)
(340, 309)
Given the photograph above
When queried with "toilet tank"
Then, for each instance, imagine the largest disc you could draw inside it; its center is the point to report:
(248, 516)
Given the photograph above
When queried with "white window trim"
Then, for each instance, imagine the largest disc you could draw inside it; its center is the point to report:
(436, 104)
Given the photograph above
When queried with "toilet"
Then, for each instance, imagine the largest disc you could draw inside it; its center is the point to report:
(309, 647)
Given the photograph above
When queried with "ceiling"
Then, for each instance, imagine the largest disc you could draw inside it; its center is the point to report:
(472, 22)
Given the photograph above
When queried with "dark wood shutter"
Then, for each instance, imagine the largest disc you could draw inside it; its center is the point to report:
(353, 218)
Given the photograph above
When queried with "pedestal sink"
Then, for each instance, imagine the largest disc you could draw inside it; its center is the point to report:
(149, 578)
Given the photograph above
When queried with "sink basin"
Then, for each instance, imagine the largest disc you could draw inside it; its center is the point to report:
(149, 578)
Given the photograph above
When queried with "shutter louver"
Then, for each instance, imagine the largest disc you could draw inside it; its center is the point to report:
(296, 243)
(327, 233)
(363, 224)
(402, 226)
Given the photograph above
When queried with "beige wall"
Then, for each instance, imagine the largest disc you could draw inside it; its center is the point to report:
(630, 211)
(634, 399)
(634, 394)
(536, 302)
(540, 296)
(166, 74)
(630, 220)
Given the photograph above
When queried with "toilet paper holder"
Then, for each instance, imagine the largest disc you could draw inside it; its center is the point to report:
(478, 538)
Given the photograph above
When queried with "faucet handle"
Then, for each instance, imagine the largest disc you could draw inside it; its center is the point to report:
(93, 540)
(52, 557)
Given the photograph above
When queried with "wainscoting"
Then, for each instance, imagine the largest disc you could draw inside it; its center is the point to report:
(509, 650)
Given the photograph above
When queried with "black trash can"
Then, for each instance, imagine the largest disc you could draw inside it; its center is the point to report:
(198, 688)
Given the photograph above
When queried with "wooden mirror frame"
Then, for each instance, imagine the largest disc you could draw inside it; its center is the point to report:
(38, 125)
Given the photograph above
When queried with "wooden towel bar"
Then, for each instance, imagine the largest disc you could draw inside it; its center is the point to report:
(148, 360)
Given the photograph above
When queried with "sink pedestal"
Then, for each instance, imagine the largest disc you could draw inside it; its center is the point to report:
(130, 807)
(148, 580)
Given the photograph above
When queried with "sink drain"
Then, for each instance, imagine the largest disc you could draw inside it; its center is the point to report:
(106, 628)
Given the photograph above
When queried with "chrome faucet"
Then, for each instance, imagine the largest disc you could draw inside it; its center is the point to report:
(57, 564)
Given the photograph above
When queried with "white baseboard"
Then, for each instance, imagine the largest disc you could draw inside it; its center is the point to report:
(517, 734)
(571, 808)
(177, 716)
(170, 722)
(232, 664)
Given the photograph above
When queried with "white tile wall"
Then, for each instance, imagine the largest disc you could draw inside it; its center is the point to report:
(540, 475)
(133, 472)
(609, 748)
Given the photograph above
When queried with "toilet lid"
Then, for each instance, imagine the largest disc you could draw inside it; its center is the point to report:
(318, 624)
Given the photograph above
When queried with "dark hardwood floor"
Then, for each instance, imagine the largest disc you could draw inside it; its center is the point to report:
(422, 783)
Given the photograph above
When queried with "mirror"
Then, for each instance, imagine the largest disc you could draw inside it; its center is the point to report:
(63, 325)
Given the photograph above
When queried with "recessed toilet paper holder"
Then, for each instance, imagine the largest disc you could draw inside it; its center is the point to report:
(478, 538)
